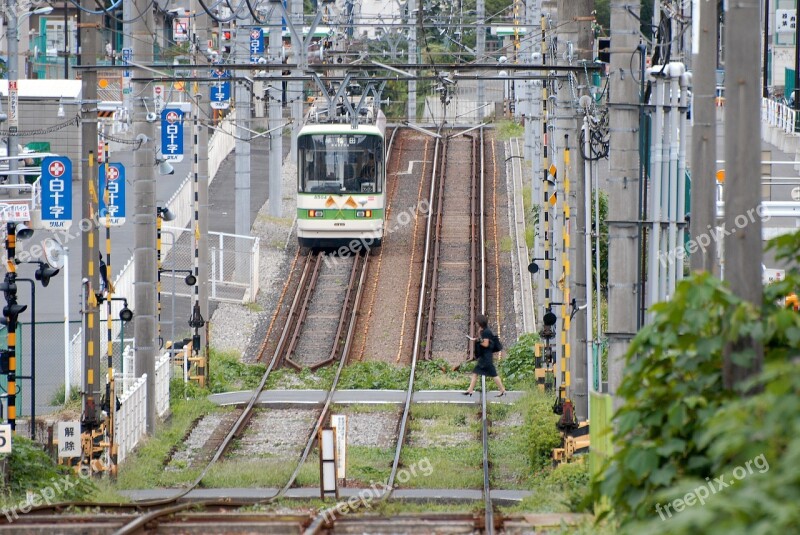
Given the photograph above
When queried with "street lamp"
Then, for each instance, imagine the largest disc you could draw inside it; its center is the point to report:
(12, 36)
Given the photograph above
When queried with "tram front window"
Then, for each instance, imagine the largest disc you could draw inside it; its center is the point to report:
(340, 163)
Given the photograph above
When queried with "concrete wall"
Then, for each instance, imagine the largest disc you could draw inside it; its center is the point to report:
(37, 114)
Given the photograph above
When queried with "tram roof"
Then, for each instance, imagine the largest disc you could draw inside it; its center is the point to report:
(340, 128)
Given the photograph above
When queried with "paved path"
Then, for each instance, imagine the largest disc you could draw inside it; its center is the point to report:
(345, 397)
(448, 495)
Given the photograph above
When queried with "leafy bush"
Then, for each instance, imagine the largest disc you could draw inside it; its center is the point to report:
(373, 375)
(541, 428)
(227, 372)
(573, 481)
(436, 374)
(508, 129)
(679, 429)
(517, 367)
(31, 469)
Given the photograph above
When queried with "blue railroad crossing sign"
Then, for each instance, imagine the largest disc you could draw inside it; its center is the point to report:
(112, 193)
(256, 44)
(172, 134)
(220, 90)
(56, 187)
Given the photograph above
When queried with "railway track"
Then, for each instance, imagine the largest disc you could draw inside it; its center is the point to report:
(474, 252)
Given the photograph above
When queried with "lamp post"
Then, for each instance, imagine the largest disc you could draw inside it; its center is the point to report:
(12, 36)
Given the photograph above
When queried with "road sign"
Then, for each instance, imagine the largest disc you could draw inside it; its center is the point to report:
(15, 212)
(339, 422)
(5, 438)
(256, 44)
(158, 97)
(180, 29)
(127, 55)
(69, 439)
(112, 198)
(13, 107)
(56, 187)
(220, 91)
(172, 134)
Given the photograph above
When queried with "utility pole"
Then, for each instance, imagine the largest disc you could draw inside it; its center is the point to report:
(201, 98)
(743, 247)
(576, 30)
(414, 14)
(275, 117)
(92, 387)
(480, 53)
(534, 124)
(144, 187)
(623, 190)
(12, 38)
(765, 59)
(296, 86)
(243, 114)
(704, 138)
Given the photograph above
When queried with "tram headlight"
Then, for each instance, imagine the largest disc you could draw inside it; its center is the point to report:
(364, 213)
(315, 213)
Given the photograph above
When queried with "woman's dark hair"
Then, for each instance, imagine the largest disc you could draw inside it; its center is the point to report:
(482, 320)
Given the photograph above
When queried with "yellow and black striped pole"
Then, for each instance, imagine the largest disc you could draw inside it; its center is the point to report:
(111, 397)
(11, 275)
(90, 405)
(565, 322)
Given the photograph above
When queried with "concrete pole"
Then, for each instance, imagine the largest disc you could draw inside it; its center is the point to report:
(243, 113)
(89, 206)
(144, 222)
(623, 190)
(743, 247)
(704, 137)
(296, 87)
(577, 30)
(275, 119)
(13, 76)
(480, 52)
(412, 6)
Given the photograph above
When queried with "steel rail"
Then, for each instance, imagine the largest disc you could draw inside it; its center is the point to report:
(433, 272)
(489, 510)
(297, 328)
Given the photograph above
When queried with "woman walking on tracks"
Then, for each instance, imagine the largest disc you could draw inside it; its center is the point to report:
(485, 345)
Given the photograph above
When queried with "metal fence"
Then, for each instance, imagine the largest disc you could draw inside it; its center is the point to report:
(233, 265)
(778, 115)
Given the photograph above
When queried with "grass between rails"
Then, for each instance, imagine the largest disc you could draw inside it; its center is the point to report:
(144, 468)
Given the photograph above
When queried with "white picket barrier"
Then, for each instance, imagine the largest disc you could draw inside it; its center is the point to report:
(131, 419)
(162, 384)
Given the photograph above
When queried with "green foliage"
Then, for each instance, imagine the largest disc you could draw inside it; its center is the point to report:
(437, 375)
(602, 7)
(228, 373)
(603, 202)
(178, 390)
(679, 425)
(31, 469)
(305, 379)
(540, 423)
(508, 129)
(517, 367)
(573, 481)
(58, 396)
(373, 375)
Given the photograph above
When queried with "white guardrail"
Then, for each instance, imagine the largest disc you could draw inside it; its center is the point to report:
(778, 115)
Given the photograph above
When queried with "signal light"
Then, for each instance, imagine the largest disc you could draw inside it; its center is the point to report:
(44, 273)
(363, 213)
(11, 311)
(315, 213)
(5, 360)
(549, 319)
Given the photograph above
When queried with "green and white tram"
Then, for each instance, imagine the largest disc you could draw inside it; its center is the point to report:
(341, 187)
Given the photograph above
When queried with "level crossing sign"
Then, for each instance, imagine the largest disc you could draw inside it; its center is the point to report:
(56, 187)
(172, 134)
(220, 90)
(112, 194)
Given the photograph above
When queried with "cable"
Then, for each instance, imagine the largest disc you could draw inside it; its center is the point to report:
(101, 12)
(43, 131)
